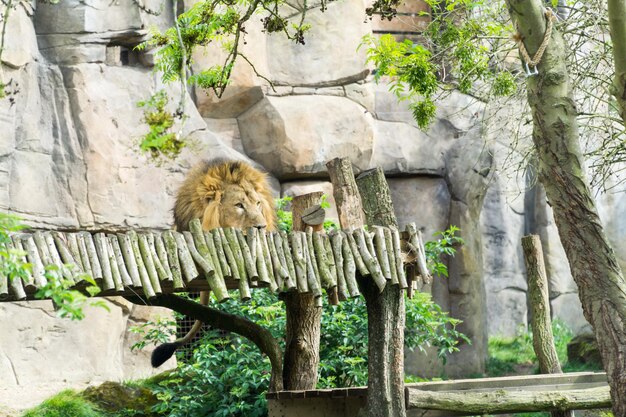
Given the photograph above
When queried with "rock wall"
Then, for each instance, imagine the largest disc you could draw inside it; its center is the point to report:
(69, 159)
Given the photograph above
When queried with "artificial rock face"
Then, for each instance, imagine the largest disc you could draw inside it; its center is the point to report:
(69, 159)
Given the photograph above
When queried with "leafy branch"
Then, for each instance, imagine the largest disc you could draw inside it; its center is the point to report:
(458, 52)
(446, 244)
(68, 303)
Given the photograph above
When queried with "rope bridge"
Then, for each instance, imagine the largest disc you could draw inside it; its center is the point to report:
(155, 263)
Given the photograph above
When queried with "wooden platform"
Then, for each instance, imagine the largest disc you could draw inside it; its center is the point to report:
(147, 264)
(466, 397)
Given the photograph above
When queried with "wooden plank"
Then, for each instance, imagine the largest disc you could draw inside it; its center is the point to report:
(507, 401)
(511, 381)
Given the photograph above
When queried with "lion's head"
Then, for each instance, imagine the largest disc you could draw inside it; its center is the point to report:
(225, 194)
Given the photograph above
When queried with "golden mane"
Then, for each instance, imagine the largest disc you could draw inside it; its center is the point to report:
(200, 195)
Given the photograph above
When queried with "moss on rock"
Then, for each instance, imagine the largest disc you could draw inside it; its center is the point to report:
(110, 399)
(584, 349)
(114, 397)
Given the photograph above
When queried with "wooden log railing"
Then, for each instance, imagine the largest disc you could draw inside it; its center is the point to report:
(517, 394)
(153, 263)
(467, 397)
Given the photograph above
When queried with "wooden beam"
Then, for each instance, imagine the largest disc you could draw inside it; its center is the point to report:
(508, 401)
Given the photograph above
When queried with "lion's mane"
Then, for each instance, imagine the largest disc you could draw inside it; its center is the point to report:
(200, 194)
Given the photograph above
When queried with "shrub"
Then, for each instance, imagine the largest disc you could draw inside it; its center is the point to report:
(228, 376)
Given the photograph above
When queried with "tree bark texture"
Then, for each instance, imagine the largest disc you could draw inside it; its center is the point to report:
(376, 198)
(540, 322)
(617, 25)
(348, 201)
(218, 319)
(304, 318)
(386, 310)
(600, 281)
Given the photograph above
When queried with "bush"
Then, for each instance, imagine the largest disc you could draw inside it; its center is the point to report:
(228, 376)
(514, 355)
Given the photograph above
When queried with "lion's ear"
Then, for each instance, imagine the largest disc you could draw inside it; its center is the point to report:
(209, 196)
(212, 196)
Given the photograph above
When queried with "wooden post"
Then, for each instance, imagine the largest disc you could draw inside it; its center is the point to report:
(302, 330)
(386, 309)
(376, 198)
(540, 322)
(348, 201)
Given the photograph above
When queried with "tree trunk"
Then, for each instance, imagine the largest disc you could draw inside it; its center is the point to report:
(386, 310)
(541, 324)
(617, 25)
(302, 331)
(600, 281)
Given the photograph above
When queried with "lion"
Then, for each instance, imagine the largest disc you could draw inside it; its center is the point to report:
(221, 194)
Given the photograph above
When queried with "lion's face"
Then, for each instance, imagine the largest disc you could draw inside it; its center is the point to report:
(240, 206)
(229, 194)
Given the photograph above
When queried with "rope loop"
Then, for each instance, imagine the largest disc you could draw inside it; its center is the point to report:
(536, 59)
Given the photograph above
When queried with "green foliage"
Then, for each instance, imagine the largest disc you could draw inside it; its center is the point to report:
(69, 303)
(463, 45)
(428, 325)
(507, 355)
(154, 332)
(285, 220)
(222, 23)
(504, 84)
(444, 245)
(160, 141)
(344, 339)
(11, 263)
(412, 75)
(65, 404)
(228, 376)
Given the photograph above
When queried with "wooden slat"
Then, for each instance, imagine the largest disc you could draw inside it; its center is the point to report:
(132, 262)
(511, 381)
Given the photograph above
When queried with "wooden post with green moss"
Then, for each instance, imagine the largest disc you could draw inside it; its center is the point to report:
(540, 322)
(385, 302)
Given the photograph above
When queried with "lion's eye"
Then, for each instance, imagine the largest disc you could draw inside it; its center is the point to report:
(239, 205)
(258, 203)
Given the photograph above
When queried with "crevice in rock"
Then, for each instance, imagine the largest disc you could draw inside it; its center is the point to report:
(350, 79)
(13, 370)
(30, 306)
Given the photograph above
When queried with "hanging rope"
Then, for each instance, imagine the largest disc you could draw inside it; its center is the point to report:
(534, 61)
